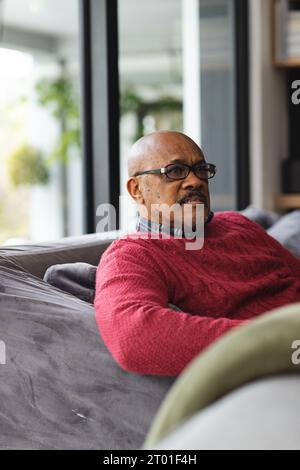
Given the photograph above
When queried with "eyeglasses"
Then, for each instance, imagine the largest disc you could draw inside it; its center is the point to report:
(180, 171)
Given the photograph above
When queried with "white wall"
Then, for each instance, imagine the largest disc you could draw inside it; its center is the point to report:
(268, 121)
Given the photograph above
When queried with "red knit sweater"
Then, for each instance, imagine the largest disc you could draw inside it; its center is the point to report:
(240, 273)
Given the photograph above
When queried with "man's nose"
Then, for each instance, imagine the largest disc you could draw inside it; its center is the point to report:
(192, 181)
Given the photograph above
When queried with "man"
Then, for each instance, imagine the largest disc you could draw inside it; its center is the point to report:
(240, 273)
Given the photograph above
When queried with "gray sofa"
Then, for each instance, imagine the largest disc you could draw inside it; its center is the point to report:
(60, 387)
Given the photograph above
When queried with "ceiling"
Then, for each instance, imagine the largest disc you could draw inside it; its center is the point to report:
(143, 24)
(51, 17)
(146, 25)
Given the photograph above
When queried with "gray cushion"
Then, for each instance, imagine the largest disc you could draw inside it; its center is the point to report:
(78, 279)
(263, 415)
(60, 387)
(261, 216)
(287, 232)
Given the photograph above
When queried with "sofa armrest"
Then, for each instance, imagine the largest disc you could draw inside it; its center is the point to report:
(37, 258)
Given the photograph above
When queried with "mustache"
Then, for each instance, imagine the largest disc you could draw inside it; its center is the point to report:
(195, 193)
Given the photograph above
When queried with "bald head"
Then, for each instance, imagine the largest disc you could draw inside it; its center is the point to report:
(157, 149)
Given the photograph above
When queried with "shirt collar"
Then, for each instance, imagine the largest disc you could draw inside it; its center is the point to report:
(145, 225)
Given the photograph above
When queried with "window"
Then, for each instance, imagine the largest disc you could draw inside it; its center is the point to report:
(151, 80)
(41, 189)
(180, 68)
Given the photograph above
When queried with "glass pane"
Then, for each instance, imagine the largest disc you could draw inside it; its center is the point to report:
(150, 45)
(217, 55)
(41, 190)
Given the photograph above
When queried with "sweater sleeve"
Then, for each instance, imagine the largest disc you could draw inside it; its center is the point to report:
(144, 335)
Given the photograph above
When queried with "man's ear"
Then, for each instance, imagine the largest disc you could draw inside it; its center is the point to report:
(134, 190)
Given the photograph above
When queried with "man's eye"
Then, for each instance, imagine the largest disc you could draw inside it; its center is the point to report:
(176, 171)
(202, 168)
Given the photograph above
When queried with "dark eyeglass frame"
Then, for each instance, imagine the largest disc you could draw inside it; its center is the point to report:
(194, 168)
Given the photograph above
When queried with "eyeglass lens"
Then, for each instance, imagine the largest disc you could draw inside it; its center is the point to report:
(178, 171)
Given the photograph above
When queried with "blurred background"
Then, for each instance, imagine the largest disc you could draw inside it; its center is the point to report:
(41, 184)
(81, 80)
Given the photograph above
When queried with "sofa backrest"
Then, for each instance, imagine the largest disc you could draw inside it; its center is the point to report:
(36, 259)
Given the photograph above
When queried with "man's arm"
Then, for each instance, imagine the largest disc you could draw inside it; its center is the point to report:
(144, 335)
